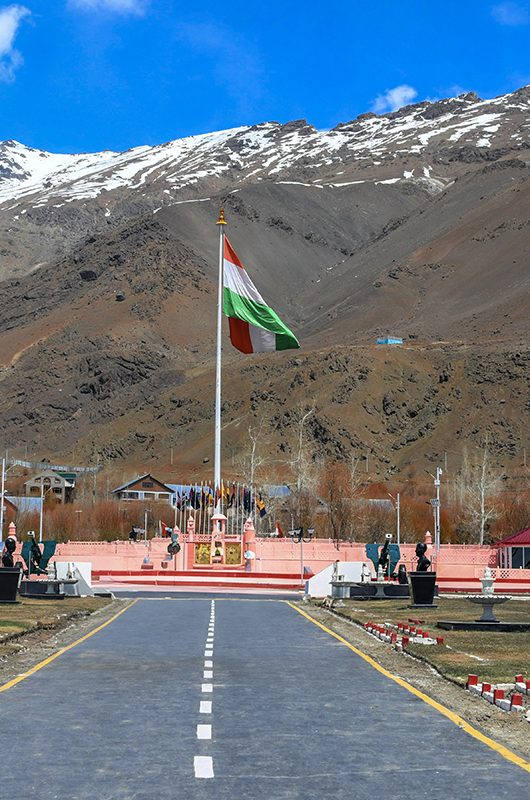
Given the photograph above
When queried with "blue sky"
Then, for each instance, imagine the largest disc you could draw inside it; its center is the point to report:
(80, 75)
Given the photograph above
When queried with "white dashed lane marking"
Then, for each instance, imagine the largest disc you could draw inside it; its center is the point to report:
(204, 731)
(203, 766)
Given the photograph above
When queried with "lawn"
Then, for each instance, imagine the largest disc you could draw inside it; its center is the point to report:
(496, 657)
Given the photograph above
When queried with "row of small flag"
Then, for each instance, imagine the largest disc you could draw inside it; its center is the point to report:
(231, 495)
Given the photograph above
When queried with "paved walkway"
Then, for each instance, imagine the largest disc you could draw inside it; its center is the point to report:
(272, 706)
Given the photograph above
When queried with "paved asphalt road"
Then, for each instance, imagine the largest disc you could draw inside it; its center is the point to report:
(294, 715)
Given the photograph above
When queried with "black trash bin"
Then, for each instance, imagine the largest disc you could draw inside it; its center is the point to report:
(422, 588)
(9, 578)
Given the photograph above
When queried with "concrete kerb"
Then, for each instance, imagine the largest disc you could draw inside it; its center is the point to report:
(389, 632)
(495, 693)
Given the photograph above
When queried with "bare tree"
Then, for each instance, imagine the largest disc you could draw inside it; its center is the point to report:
(356, 484)
(305, 476)
(477, 488)
(252, 460)
(336, 492)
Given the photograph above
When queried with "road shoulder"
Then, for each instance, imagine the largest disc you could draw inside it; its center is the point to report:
(508, 729)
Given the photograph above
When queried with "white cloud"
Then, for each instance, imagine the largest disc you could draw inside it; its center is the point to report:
(137, 7)
(10, 58)
(394, 98)
(511, 14)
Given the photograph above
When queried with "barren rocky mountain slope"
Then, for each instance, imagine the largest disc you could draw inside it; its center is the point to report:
(415, 223)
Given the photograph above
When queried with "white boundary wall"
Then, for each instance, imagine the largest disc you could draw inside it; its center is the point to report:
(319, 584)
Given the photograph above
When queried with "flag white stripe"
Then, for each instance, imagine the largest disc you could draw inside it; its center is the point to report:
(262, 341)
(237, 280)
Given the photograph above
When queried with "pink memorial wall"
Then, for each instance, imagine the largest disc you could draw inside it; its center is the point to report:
(458, 567)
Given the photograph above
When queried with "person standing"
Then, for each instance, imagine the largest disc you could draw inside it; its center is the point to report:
(249, 556)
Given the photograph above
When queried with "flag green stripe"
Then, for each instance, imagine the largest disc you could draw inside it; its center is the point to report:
(259, 315)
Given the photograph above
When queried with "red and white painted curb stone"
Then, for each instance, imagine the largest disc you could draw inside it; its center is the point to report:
(495, 693)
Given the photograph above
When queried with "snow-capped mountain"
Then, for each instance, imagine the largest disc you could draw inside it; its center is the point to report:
(413, 223)
(414, 143)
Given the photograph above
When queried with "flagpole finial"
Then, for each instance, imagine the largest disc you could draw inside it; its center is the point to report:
(221, 220)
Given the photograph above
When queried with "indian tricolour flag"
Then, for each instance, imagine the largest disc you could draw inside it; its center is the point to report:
(254, 326)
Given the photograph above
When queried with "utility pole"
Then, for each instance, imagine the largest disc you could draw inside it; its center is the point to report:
(435, 503)
(397, 520)
(396, 500)
(437, 508)
(2, 499)
(41, 515)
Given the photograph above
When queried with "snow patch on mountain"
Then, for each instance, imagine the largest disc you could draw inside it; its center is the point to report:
(284, 153)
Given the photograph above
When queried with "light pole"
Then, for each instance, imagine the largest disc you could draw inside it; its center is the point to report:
(396, 500)
(3, 497)
(299, 538)
(5, 470)
(41, 515)
(435, 503)
(437, 485)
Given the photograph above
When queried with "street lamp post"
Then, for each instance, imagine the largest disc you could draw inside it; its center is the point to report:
(396, 500)
(41, 515)
(299, 538)
(3, 498)
(435, 503)
(437, 485)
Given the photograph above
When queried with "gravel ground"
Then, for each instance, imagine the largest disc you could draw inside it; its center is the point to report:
(508, 728)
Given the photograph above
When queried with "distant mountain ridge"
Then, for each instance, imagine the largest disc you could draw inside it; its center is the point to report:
(268, 151)
(414, 222)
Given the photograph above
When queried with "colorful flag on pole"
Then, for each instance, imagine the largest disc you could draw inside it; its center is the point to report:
(247, 500)
(260, 505)
(165, 530)
(254, 327)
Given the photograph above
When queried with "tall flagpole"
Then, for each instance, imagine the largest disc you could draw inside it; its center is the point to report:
(217, 453)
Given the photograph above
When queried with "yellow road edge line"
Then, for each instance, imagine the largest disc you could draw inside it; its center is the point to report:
(455, 718)
(41, 664)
